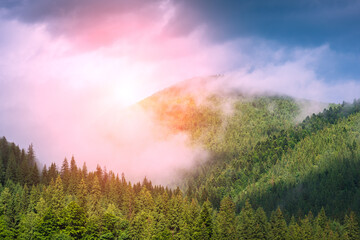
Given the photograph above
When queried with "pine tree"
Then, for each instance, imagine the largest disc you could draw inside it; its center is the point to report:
(5, 232)
(53, 172)
(321, 219)
(94, 207)
(176, 213)
(24, 169)
(278, 228)
(28, 225)
(57, 199)
(140, 226)
(113, 221)
(33, 198)
(84, 171)
(34, 177)
(261, 224)
(47, 226)
(73, 176)
(144, 201)
(73, 220)
(247, 224)
(11, 169)
(31, 155)
(307, 228)
(204, 225)
(225, 224)
(6, 204)
(82, 194)
(192, 216)
(160, 227)
(295, 232)
(65, 174)
(351, 227)
(44, 176)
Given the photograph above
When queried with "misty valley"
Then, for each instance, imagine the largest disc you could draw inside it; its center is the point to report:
(275, 168)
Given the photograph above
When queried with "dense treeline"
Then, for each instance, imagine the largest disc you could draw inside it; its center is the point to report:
(72, 203)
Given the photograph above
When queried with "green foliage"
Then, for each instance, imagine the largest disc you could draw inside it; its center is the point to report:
(204, 224)
(225, 224)
(278, 227)
(247, 226)
(73, 220)
(351, 227)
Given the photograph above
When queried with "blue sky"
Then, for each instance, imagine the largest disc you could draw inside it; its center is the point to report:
(290, 24)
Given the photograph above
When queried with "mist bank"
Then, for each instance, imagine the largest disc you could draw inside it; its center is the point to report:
(160, 137)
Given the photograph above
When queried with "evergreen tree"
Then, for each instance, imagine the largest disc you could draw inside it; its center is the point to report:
(33, 198)
(140, 226)
(204, 225)
(247, 224)
(261, 224)
(5, 232)
(161, 223)
(225, 224)
(321, 219)
(95, 210)
(115, 226)
(176, 214)
(84, 171)
(295, 232)
(44, 176)
(47, 226)
(307, 228)
(57, 199)
(278, 227)
(53, 172)
(192, 215)
(34, 177)
(24, 169)
(73, 220)
(11, 169)
(82, 194)
(144, 201)
(73, 176)
(31, 155)
(65, 174)
(351, 227)
(27, 226)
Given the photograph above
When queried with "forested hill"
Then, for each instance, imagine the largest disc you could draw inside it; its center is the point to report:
(262, 152)
(270, 175)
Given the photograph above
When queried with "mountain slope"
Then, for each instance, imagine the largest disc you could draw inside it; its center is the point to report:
(261, 152)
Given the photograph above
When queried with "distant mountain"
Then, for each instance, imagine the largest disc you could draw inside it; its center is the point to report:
(269, 149)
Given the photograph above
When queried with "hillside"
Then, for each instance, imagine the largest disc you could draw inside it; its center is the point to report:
(262, 152)
(269, 175)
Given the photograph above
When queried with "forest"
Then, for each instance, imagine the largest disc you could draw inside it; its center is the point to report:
(269, 177)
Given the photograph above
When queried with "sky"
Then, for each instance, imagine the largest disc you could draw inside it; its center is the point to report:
(68, 69)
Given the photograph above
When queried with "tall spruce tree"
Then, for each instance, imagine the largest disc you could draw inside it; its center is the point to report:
(225, 224)
(278, 227)
(351, 227)
(247, 226)
(204, 224)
